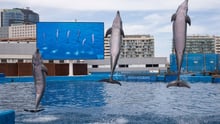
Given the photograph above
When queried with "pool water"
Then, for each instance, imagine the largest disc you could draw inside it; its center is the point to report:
(101, 103)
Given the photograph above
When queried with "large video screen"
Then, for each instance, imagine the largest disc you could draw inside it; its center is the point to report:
(70, 40)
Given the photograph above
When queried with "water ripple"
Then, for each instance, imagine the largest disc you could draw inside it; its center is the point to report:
(133, 102)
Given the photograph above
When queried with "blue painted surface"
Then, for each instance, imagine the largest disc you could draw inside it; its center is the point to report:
(121, 77)
(7, 116)
(170, 78)
(71, 40)
(161, 78)
(196, 63)
(193, 79)
(2, 75)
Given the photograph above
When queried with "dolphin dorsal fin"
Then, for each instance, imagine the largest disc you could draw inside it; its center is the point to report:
(188, 20)
(109, 31)
(173, 18)
(122, 33)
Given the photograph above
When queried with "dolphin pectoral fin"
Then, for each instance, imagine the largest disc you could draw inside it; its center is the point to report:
(188, 20)
(178, 84)
(109, 31)
(44, 69)
(173, 18)
(33, 110)
(110, 81)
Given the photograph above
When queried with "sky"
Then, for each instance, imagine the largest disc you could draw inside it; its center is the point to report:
(138, 16)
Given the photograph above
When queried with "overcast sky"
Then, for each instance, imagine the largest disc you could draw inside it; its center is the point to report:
(139, 16)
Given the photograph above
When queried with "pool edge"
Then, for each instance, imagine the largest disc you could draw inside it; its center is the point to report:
(7, 117)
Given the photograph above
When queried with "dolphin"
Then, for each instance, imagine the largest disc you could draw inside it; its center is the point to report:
(39, 73)
(116, 32)
(180, 20)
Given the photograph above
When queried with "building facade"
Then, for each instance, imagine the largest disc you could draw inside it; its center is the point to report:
(201, 55)
(4, 32)
(22, 31)
(17, 16)
(134, 46)
(217, 44)
(200, 44)
(18, 33)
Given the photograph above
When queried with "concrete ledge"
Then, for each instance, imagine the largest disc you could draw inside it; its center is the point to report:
(7, 116)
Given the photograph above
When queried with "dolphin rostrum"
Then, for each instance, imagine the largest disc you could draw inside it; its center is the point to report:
(39, 74)
(116, 32)
(180, 20)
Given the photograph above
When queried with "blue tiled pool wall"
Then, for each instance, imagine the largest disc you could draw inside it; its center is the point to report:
(121, 77)
(2, 75)
(7, 116)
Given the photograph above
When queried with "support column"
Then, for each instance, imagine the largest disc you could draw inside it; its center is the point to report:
(70, 67)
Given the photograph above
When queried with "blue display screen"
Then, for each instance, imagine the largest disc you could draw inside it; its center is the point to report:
(70, 40)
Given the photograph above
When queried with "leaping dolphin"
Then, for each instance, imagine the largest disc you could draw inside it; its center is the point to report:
(39, 74)
(116, 32)
(180, 20)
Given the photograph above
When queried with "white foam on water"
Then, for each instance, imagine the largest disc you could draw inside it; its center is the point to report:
(45, 118)
(119, 120)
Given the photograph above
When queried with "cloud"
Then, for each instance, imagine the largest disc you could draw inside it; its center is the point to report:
(135, 29)
(139, 17)
(196, 29)
(119, 4)
(203, 4)
(165, 29)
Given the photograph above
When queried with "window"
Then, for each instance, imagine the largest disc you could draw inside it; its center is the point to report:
(20, 60)
(4, 60)
(95, 66)
(123, 66)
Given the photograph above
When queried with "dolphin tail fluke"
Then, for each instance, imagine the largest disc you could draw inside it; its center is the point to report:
(111, 81)
(33, 110)
(178, 83)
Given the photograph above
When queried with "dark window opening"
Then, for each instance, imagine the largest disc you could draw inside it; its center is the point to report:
(123, 66)
(95, 66)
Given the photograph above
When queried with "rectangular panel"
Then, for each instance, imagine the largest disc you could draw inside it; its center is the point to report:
(195, 62)
(71, 40)
(61, 69)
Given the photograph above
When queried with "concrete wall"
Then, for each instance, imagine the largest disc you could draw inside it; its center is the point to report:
(14, 48)
(88, 66)
(129, 64)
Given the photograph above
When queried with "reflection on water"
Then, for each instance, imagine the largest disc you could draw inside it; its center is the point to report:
(95, 102)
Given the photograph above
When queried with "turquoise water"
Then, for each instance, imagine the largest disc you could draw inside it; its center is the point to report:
(100, 103)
